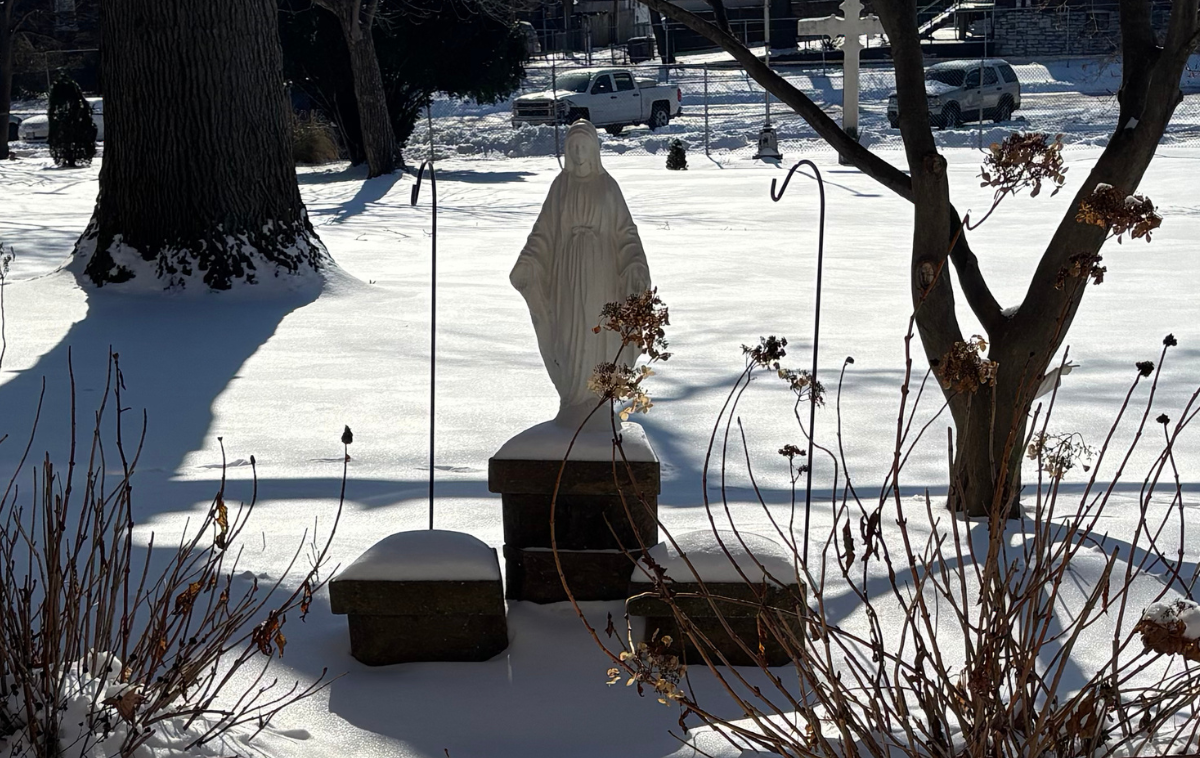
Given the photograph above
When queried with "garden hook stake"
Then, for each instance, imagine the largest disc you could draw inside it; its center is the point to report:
(416, 191)
(813, 396)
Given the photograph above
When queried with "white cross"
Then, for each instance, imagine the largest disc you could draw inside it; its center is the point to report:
(850, 25)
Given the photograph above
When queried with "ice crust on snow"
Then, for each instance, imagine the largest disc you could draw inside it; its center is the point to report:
(427, 555)
(549, 442)
(711, 563)
(1182, 611)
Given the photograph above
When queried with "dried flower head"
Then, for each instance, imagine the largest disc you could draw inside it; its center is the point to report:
(1024, 160)
(768, 352)
(1109, 208)
(619, 382)
(1083, 265)
(1145, 368)
(791, 451)
(963, 369)
(1170, 340)
(1163, 419)
(652, 664)
(803, 384)
(1172, 628)
(640, 320)
(1057, 454)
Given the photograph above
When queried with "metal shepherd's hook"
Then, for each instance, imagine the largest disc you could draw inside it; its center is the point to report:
(416, 191)
(812, 404)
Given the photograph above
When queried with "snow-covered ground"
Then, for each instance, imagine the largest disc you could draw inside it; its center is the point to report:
(278, 378)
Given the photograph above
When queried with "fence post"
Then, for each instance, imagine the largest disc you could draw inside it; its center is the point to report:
(429, 121)
(554, 88)
(706, 109)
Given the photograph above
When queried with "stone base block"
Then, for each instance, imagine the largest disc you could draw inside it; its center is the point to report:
(742, 618)
(385, 640)
(532, 575)
(423, 596)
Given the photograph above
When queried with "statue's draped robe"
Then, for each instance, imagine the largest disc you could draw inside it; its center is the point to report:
(584, 251)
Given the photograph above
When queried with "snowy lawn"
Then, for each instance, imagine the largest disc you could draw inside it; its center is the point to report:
(278, 379)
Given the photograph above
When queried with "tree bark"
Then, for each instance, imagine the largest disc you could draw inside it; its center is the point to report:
(6, 71)
(379, 142)
(197, 185)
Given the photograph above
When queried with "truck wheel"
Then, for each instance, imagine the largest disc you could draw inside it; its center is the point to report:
(660, 116)
(615, 129)
(576, 114)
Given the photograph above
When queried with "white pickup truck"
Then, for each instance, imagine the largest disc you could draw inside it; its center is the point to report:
(610, 98)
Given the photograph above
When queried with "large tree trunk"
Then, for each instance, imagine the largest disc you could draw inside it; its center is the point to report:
(379, 142)
(6, 72)
(197, 182)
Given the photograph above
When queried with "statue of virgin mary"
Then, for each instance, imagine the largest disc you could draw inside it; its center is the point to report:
(584, 252)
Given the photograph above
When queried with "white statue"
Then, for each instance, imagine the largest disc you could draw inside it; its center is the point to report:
(584, 251)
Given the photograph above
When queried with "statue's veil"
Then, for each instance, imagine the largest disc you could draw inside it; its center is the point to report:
(584, 131)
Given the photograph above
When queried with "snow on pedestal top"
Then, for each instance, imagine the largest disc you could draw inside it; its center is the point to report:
(713, 565)
(548, 442)
(425, 556)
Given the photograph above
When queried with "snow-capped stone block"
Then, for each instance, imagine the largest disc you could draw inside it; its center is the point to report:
(549, 441)
(602, 506)
(430, 595)
(723, 556)
(744, 575)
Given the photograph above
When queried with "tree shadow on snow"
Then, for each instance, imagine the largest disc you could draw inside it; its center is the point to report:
(371, 191)
(177, 354)
(484, 177)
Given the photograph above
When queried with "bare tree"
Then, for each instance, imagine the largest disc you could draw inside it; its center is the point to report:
(357, 19)
(13, 16)
(992, 419)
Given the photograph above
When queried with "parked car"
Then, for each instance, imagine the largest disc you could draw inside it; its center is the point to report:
(959, 91)
(37, 128)
(14, 123)
(533, 45)
(608, 97)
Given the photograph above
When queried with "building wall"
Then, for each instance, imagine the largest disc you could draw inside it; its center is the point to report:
(1034, 32)
(1070, 29)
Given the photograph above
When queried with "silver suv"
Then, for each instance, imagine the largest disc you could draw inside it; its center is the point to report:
(961, 91)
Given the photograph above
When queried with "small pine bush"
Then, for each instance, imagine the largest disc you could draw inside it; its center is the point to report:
(676, 156)
(72, 130)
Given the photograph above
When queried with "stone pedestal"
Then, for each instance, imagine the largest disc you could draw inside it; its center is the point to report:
(742, 619)
(591, 522)
(400, 610)
(721, 579)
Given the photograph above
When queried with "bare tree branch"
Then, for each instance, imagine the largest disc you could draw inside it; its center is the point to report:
(975, 288)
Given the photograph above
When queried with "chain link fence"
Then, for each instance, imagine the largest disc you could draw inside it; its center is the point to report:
(723, 109)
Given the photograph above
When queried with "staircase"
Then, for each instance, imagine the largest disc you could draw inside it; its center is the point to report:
(938, 13)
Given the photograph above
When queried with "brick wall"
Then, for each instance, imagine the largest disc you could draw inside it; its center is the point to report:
(1036, 33)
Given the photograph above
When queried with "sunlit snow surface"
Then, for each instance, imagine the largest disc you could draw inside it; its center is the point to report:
(279, 377)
